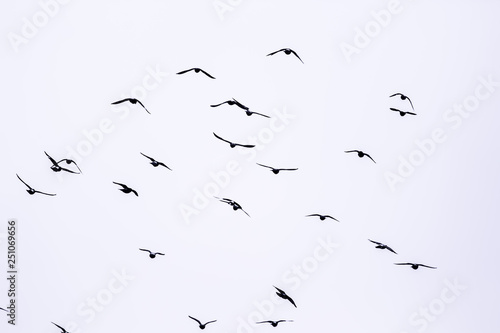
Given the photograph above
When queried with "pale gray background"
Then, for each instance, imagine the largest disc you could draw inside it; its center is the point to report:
(92, 52)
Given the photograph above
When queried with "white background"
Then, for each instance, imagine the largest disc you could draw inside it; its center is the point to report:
(60, 83)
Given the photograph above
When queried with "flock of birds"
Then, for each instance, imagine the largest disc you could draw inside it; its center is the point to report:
(64, 165)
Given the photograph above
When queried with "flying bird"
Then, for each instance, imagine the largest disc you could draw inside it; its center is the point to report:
(403, 113)
(273, 323)
(382, 246)
(283, 295)
(61, 328)
(31, 190)
(276, 170)
(287, 52)
(69, 161)
(232, 203)
(323, 217)
(155, 163)
(126, 189)
(56, 167)
(202, 326)
(415, 266)
(153, 255)
(196, 70)
(403, 97)
(360, 154)
(232, 144)
(133, 101)
(231, 102)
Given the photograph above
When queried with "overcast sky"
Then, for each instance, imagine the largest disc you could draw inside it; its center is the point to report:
(431, 195)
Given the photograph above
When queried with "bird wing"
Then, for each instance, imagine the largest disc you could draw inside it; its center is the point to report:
(388, 248)
(265, 166)
(331, 217)
(313, 215)
(163, 164)
(62, 329)
(243, 211)
(71, 161)
(295, 53)
(273, 53)
(68, 170)
(403, 263)
(427, 266)
(24, 182)
(291, 300)
(245, 146)
(378, 243)
(45, 193)
(264, 322)
(122, 185)
(289, 169)
(216, 105)
(134, 191)
(218, 137)
(51, 159)
(396, 94)
(260, 114)
(195, 320)
(209, 322)
(159, 253)
(412, 113)
(187, 70)
(240, 105)
(145, 250)
(370, 158)
(121, 101)
(210, 76)
(138, 101)
(351, 151)
(394, 109)
(410, 102)
(152, 159)
(281, 291)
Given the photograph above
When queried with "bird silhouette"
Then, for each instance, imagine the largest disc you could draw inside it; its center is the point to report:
(382, 246)
(61, 328)
(31, 190)
(202, 326)
(3, 309)
(231, 102)
(233, 204)
(273, 323)
(323, 217)
(126, 189)
(153, 255)
(283, 295)
(403, 97)
(287, 52)
(155, 163)
(133, 101)
(232, 144)
(403, 113)
(56, 167)
(360, 154)
(415, 266)
(69, 161)
(276, 170)
(196, 70)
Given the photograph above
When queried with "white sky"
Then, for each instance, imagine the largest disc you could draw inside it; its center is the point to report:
(59, 84)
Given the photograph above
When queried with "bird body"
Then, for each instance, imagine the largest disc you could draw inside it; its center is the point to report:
(153, 255)
(126, 189)
(382, 246)
(360, 154)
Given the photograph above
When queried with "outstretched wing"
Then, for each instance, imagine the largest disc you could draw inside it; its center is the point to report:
(378, 243)
(150, 158)
(24, 182)
(427, 266)
(351, 151)
(44, 193)
(121, 101)
(396, 94)
(210, 76)
(295, 53)
(51, 159)
(265, 166)
(138, 101)
(195, 320)
(216, 105)
(260, 114)
(273, 53)
(218, 137)
(183, 72)
(245, 146)
(145, 250)
(370, 158)
(163, 164)
(62, 329)
(122, 185)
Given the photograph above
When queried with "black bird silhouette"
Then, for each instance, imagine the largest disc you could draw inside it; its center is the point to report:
(323, 217)
(249, 113)
(403, 113)
(56, 167)
(360, 154)
(133, 101)
(69, 161)
(231, 102)
(415, 266)
(155, 163)
(61, 328)
(126, 189)
(273, 323)
(276, 170)
(287, 52)
(196, 70)
(202, 326)
(232, 144)
(153, 255)
(283, 295)
(403, 97)
(232, 203)
(31, 190)
(382, 246)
